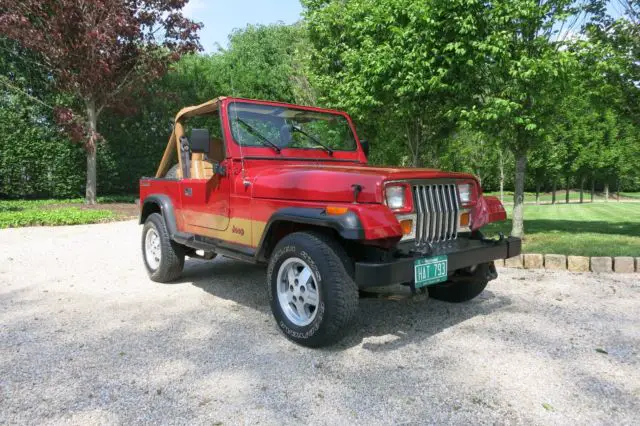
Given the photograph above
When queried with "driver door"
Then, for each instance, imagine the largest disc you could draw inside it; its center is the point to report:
(205, 194)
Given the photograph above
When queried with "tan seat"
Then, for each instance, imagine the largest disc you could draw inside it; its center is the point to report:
(202, 164)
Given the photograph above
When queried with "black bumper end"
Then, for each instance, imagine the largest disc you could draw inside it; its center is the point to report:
(462, 254)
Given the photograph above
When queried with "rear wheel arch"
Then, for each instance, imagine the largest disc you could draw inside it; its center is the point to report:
(161, 204)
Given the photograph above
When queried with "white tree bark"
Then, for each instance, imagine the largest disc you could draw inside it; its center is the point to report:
(501, 165)
(517, 226)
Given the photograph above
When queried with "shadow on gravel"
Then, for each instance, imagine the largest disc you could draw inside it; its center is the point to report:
(395, 314)
(233, 280)
(413, 319)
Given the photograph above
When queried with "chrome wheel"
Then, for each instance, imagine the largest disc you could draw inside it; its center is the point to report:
(298, 292)
(152, 249)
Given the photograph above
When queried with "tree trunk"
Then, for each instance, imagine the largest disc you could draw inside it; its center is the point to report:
(90, 147)
(553, 192)
(567, 182)
(416, 161)
(537, 193)
(414, 137)
(593, 190)
(517, 227)
(501, 177)
(606, 192)
(618, 190)
(582, 189)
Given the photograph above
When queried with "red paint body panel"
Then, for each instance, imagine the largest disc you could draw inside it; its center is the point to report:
(258, 182)
(207, 198)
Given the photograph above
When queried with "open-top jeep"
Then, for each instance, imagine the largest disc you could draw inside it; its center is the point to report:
(288, 186)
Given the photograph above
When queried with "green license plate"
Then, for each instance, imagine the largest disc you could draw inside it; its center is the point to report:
(431, 270)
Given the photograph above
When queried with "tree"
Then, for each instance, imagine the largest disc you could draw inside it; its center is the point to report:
(524, 78)
(101, 52)
(400, 64)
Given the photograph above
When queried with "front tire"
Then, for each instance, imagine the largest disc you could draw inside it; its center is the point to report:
(163, 258)
(464, 285)
(312, 295)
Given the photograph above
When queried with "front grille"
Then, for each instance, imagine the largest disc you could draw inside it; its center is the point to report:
(437, 209)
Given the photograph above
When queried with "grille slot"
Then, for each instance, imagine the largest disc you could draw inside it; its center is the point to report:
(437, 209)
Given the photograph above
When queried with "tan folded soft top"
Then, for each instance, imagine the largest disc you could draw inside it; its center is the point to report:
(178, 131)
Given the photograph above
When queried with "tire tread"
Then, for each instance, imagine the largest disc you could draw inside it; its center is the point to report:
(172, 261)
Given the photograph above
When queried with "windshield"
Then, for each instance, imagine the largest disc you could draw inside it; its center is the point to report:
(280, 128)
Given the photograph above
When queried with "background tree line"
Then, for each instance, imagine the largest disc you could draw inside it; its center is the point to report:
(535, 95)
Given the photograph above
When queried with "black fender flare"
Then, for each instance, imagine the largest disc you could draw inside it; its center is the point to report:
(347, 225)
(166, 209)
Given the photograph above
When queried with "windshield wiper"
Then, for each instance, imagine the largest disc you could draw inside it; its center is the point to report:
(260, 137)
(316, 141)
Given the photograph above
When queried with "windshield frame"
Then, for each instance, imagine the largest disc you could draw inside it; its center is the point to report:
(303, 153)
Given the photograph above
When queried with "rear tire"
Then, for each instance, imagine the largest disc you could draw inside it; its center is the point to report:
(311, 266)
(464, 285)
(163, 258)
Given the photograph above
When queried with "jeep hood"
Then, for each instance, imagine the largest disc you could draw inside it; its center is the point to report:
(333, 183)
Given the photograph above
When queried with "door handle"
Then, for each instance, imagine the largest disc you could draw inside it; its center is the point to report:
(188, 192)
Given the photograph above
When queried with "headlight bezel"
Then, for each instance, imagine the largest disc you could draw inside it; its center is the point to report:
(400, 189)
(467, 192)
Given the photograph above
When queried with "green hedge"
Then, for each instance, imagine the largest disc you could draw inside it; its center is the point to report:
(37, 161)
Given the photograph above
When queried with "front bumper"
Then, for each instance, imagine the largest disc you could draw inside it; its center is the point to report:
(461, 253)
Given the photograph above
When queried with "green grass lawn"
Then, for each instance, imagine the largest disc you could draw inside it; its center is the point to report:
(574, 196)
(603, 229)
(18, 213)
(600, 229)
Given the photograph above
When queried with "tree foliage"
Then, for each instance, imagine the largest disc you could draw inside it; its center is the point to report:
(404, 63)
(494, 88)
(99, 52)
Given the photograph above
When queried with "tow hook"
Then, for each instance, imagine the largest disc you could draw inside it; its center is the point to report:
(492, 240)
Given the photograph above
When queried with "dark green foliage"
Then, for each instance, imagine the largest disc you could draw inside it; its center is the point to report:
(405, 100)
(15, 214)
(35, 160)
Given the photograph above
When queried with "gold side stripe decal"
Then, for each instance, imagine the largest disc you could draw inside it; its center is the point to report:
(240, 231)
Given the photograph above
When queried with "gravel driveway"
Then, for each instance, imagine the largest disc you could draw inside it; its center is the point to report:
(86, 338)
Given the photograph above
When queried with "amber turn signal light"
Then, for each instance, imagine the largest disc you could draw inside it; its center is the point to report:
(336, 211)
(407, 226)
(464, 220)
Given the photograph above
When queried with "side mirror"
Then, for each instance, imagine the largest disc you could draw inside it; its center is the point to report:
(199, 141)
(365, 147)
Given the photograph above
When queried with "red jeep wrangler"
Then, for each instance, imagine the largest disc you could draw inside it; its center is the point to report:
(288, 186)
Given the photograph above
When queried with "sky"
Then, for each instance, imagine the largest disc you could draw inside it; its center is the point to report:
(220, 17)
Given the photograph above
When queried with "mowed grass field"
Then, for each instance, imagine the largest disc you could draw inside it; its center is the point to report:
(574, 196)
(599, 229)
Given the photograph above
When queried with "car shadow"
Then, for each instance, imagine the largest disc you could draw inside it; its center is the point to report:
(388, 317)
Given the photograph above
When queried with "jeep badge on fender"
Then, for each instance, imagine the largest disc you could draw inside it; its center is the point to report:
(289, 186)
